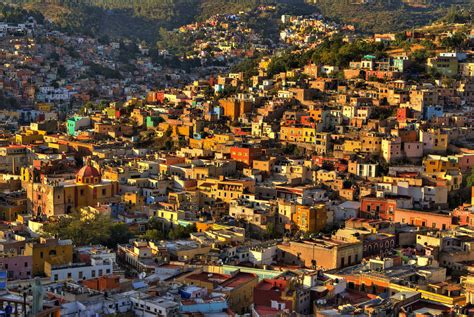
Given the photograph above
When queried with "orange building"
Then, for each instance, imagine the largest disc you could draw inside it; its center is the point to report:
(234, 108)
(103, 283)
(246, 155)
(310, 218)
(424, 219)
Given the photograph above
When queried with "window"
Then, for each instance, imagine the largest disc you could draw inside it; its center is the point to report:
(69, 275)
(80, 274)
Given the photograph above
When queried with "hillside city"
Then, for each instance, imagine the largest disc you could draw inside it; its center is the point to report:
(320, 171)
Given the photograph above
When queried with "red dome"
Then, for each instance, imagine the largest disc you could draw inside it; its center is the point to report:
(88, 171)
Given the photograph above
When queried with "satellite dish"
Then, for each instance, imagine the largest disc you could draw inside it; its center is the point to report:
(142, 275)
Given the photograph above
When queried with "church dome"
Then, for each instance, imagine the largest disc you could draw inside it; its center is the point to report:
(88, 175)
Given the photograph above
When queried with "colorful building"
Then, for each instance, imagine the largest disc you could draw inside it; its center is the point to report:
(53, 251)
(52, 198)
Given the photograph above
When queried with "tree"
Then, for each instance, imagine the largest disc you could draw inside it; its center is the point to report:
(455, 41)
(88, 229)
(271, 230)
(104, 39)
(119, 234)
(470, 179)
(153, 235)
(154, 230)
(181, 232)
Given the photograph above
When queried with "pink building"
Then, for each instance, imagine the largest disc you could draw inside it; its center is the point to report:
(466, 161)
(424, 219)
(413, 150)
(464, 215)
(18, 267)
(392, 149)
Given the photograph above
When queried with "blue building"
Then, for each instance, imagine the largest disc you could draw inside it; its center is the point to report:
(204, 306)
(430, 112)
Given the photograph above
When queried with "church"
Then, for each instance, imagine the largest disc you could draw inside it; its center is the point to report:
(53, 196)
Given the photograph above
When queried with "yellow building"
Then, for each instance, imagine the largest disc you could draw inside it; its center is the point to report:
(310, 218)
(182, 130)
(264, 165)
(225, 190)
(308, 135)
(434, 140)
(352, 146)
(53, 251)
(417, 182)
(438, 164)
(291, 134)
(52, 198)
(264, 63)
(133, 199)
(317, 114)
(29, 137)
(298, 134)
(371, 144)
(171, 216)
(223, 138)
(325, 176)
(44, 106)
(445, 65)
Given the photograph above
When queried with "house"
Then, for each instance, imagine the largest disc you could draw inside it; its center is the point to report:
(53, 251)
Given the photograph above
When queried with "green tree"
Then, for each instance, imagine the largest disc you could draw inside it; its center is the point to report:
(470, 179)
(181, 232)
(93, 228)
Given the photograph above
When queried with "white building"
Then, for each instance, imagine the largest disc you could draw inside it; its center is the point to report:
(79, 271)
(150, 306)
(346, 210)
(51, 94)
(262, 255)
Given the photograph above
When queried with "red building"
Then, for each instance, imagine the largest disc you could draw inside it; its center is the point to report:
(245, 155)
(377, 208)
(268, 297)
(403, 114)
(339, 165)
(381, 74)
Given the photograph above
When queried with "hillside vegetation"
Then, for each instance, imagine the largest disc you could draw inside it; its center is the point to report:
(381, 16)
(142, 19)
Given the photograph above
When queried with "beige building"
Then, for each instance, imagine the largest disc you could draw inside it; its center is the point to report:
(325, 253)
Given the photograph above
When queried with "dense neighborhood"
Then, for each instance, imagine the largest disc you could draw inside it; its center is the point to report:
(321, 173)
